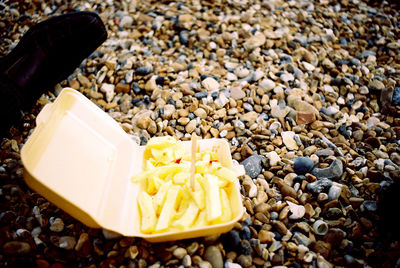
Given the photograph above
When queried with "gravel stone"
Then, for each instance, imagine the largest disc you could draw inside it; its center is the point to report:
(303, 165)
(253, 165)
(334, 171)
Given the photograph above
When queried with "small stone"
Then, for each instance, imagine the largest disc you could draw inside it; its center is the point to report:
(325, 152)
(250, 187)
(249, 116)
(144, 70)
(67, 242)
(143, 122)
(305, 117)
(333, 213)
(370, 205)
(40, 263)
(122, 88)
(335, 191)
(232, 265)
(242, 71)
(334, 236)
(330, 110)
(278, 111)
(74, 84)
(286, 77)
(210, 84)
(297, 211)
(287, 190)
(126, 21)
(129, 76)
(191, 126)
(322, 248)
(305, 107)
(253, 165)
(307, 66)
(84, 81)
(274, 158)
(255, 41)
(275, 246)
(57, 225)
(200, 112)
(192, 248)
(214, 257)
(280, 227)
(151, 84)
(327, 63)
(334, 171)
(83, 245)
(245, 261)
(320, 227)
(288, 140)
(110, 235)
(266, 236)
(231, 77)
(133, 252)
(186, 21)
(187, 261)
(375, 84)
(396, 96)
(303, 165)
(320, 185)
(267, 85)
(16, 247)
(108, 89)
(237, 93)
(301, 239)
(179, 253)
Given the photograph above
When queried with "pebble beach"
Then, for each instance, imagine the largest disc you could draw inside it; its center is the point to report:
(307, 93)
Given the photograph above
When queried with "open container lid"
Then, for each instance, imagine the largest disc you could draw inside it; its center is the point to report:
(81, 160)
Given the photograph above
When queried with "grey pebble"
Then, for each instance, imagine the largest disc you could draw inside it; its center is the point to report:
(214, 257)
(253, 165)
(334, 171)
(320, 185)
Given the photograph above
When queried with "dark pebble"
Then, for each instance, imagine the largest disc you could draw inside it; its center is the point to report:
(334, 213)
(342, 130)
(370, 205)
(160, 80)
(334, 171)
(200, 95)
(396, 96)
(246, 233)
(303, 165)
(319, 186)
(252, 165)
(136, 88)
(232, 240)
(245, 248)
(204, 76)
(143, 70)
(184, 37)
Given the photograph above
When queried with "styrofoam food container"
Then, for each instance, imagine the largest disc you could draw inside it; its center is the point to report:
(80, 159)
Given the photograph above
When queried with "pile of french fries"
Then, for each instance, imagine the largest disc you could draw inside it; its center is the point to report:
(170, 199)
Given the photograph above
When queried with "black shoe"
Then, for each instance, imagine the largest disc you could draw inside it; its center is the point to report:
(389, 199)
(50, 51)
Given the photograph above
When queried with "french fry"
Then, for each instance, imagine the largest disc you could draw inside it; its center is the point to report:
(148, 215)
(198, 193)
(226, 206)
(159, 198)
(169, 209)
(212, 197)
(188, 218)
